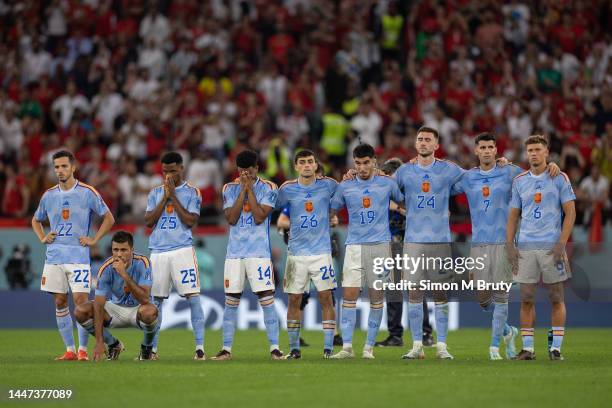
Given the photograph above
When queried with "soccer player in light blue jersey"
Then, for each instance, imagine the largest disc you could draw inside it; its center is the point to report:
(172, 211)
(309, 253)
(69, 206)
(367, 198)
(547, 213)
(247, 204)
(426, 185)
(125, 279)
(488, 188)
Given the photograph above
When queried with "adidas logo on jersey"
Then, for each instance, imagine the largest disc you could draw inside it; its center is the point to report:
(366, 191)
(308, 195)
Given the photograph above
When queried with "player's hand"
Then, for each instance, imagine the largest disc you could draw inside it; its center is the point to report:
(333, 221)
(169, 186)
(349, 175)
(502, 161)
(245, 181)
(87, 241)
(99, 351)
(553, 169)
(557, 252)
(49, 238)
(119, 266)
(513, 256)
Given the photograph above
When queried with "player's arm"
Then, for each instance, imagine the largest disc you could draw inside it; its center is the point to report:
(186, 217)
(260, 212)
(40, 232)
(141, 293)
(151, 217)
(232, 214)
(283, 222)
(99, 302)
(511, 227)
(107, 223)
(569, 210)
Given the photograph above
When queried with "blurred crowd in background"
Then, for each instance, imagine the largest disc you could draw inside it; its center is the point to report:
(120, 82)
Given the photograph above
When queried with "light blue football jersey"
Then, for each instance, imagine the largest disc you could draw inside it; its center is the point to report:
(309, 214)
(367, 202)
(427, 190)
(488, 194)
(246, 238)
(111, 284)
(540, 199)
(170, 232)
(69, 214)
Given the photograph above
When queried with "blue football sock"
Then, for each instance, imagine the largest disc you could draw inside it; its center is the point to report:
(374, 319)
(293, 330)
(500, 315)
(270, 320)
(88, 325)
(507, 329)
(149, 331)
(329, 327)
(441, 311)
(197, 320)
(558, 333)
(64, 325)
(158, 303)
(527, 334)
(347, 324)
(415, 320)
(230, 318)
(83, 337)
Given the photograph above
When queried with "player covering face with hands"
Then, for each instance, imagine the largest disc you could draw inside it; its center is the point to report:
(173, 210)
(247, 204)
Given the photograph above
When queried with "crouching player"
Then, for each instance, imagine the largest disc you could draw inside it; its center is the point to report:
(126, 279)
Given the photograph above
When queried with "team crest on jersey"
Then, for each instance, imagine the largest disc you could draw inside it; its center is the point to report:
(485, 191)
(309, 206)
(246, 207)
(66, 210)
(537, 197)
(169, 208)
(425, 186)
(43, 280)
(226, 283)
(366, 202)
(126, 289)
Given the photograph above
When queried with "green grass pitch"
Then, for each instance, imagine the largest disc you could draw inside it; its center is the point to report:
(252, 380)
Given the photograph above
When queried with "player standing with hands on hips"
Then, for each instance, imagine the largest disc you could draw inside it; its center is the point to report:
(68, 206)
(173, 210)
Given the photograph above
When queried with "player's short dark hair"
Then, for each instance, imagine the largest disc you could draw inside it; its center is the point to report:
(427, 129)
(303, 153)
(363, 150)
(246, 158)
(64, 153)
(484, 137)
(390, 166)
(172, 158)
(535, 139)
(121, 237)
